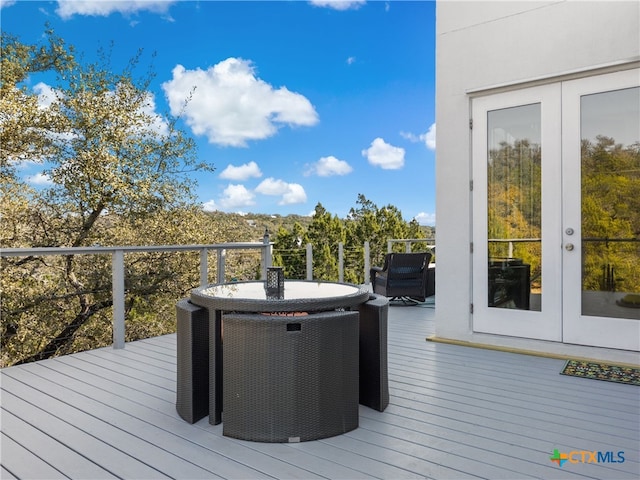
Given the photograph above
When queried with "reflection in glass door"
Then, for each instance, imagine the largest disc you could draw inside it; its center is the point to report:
(610, 188)
(601, 210)
(514, 172)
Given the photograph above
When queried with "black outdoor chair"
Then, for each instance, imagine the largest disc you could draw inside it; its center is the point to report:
(404, 276)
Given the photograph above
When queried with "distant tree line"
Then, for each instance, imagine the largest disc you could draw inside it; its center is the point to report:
(366, 222)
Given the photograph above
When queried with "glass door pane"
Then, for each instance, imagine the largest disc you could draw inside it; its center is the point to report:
(610, 191)
(514, 201)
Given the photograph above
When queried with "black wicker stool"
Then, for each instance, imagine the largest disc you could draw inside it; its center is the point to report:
(374, 380)
(290, 378)
(192, 401)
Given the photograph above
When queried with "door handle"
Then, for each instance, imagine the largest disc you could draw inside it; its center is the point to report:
(568, 247)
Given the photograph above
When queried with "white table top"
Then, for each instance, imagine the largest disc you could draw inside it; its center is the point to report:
(293, 290)
(299, 295)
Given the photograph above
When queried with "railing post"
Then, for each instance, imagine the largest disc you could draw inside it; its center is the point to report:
(340, 262)
(117, 285)
(407, 246)
(204, 267)
(309, 262)
(367, 263)
(222, 254)
(267, 254)
(389, 246)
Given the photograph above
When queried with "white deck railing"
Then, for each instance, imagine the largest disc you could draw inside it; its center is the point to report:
(118, 271)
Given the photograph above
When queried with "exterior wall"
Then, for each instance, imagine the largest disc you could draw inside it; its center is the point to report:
(485, 45)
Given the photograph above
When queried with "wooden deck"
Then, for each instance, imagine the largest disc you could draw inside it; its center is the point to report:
(456, 412)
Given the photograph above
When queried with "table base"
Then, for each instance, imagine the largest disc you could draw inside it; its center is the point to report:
(290, 379)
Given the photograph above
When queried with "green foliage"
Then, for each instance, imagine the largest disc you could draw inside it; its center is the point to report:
(365, 223)
(610, 214)
(118, 172)
(289, 251)
(515, 202)
(610, 209)
(24, 127)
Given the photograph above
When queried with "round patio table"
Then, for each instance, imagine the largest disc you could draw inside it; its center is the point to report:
(280, 353)
(299, 296)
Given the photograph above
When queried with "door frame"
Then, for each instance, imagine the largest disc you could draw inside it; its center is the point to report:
(545, 324)
(581, 329)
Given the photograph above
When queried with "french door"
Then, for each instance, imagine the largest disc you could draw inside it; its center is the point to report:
(556, 212)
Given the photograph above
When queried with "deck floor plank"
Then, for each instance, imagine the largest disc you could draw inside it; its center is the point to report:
(15, 457)
(52, 452)
(456, 412)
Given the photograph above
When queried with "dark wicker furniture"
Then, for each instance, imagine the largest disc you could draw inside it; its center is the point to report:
(374, 380)
(250, 297)
(192, 399)
(290, 378)
(403, 276)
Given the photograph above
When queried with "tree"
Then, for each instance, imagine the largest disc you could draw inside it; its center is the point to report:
(365, 223)
(290, 251)
(374, 224)
(325, 233)
(114, 164)
(24, 126)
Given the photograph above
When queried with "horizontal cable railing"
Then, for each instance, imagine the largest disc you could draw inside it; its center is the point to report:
(118, 271)
(356, 260)
(408, 242)
(511, 241)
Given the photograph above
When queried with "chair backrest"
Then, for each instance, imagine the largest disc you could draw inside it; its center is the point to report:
(403, 275)
(407, 265)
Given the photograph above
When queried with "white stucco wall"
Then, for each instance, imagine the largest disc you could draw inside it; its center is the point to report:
(487, 44)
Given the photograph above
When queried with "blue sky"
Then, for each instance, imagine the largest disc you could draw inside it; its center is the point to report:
(296, 102)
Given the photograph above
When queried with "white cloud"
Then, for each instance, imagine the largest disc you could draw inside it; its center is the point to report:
(241, 173)
(210, 206)
(271, 186)
(426, 218)
(230, 105)
(384, 155)
(46, 94)
(157, 123)
(6, 3)
(68, 8)
(351, 60)
(429, 138)
(39, 179)
(23, 164)
(329, 166)
(291, 193)
(338, 4)
(236, 196)
(294, 195)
